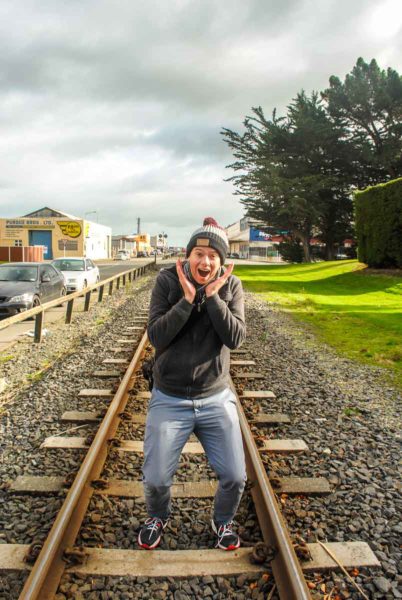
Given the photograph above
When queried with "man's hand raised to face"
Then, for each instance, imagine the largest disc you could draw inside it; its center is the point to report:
(214, 287)
(187, 286)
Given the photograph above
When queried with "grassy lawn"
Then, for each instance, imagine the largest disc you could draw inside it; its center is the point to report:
(357, 312)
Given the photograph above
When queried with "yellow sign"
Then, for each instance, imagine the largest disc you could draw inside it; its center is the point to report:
(71, 228)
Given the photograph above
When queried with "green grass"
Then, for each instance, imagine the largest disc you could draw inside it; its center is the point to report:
(357, 312)
(37, 376)
(6, 358)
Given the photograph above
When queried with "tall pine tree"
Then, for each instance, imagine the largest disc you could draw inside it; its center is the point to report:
(368, 105)
(294, 172)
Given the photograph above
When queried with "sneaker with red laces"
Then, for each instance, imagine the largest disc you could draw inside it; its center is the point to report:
(151, 533)
(227, 538)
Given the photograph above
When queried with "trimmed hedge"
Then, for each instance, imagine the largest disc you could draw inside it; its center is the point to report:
(378, 212)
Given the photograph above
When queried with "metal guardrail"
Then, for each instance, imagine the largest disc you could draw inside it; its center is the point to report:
(39, 311)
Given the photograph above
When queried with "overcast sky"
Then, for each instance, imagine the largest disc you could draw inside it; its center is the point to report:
(116, 106)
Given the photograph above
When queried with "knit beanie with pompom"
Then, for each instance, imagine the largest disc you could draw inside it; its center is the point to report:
(210, 235)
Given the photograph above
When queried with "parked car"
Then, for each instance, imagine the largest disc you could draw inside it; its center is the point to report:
(25, 285)
(78, 272)
(122, 255)
(142, 254)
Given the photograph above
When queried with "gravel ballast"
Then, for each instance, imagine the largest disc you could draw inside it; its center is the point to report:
(347, 414)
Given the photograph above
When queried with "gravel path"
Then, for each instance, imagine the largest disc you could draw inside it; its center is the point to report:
(345, 412)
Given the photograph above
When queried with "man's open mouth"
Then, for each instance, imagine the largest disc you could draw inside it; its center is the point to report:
(203, 273)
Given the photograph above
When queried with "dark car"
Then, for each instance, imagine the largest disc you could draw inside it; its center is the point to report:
(24, 285)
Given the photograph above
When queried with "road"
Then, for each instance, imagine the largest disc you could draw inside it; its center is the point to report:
(113, 267)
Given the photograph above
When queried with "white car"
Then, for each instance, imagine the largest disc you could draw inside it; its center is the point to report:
(122, 255)
(78, 272)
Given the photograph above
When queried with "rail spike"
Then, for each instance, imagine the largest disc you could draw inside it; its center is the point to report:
(33, 552)
(99, 484)
(75, 556)
(301, 548)
(262, 553)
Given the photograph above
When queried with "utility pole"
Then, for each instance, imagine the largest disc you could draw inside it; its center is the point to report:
(162, 239)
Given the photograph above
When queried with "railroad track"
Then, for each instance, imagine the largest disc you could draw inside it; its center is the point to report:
(61, 555)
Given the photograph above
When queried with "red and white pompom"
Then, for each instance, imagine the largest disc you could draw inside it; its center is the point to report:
(211, 221)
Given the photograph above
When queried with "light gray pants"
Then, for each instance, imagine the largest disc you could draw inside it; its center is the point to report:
(215, 422)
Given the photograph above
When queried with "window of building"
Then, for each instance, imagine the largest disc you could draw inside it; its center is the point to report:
(18, 243)
(258, 251)
(244, 223)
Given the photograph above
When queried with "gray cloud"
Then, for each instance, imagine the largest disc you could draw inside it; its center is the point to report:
(118, 106)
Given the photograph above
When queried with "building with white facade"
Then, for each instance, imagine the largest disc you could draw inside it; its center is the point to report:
(59, 233)
(246, 241)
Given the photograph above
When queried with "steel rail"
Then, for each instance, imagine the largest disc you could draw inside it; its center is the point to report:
(48, 569)
(286, 568)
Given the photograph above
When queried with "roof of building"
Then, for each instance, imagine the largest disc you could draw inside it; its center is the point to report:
(240, 236)
(49, 212)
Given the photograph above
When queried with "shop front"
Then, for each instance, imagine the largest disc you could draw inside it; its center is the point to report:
(59, 234)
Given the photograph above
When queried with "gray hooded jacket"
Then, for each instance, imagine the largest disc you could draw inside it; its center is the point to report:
(192, 356)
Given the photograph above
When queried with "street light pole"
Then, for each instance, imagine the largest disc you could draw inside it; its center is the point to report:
(92, 212)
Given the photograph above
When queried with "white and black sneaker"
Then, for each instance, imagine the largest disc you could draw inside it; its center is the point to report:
(227, 538)
(151, 533)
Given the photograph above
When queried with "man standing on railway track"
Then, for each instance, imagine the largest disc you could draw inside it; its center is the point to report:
(196, 316)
